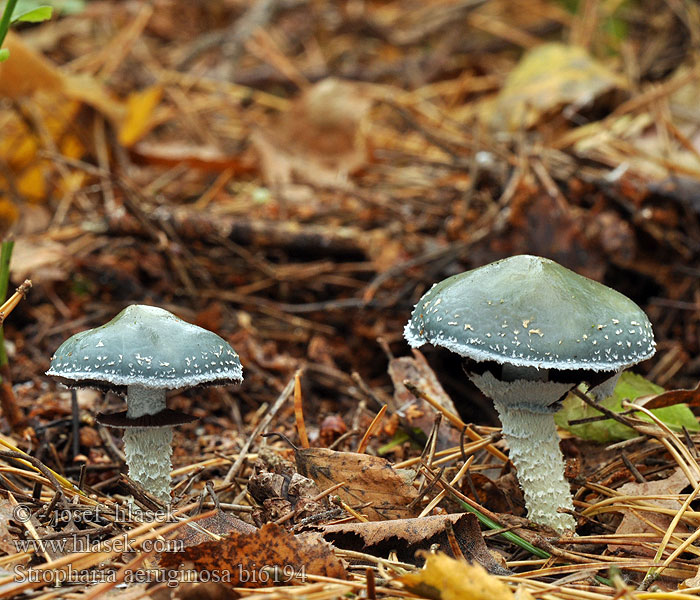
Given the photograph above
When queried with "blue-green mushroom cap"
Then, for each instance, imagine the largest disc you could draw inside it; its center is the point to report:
(147, 346)
(530, 311)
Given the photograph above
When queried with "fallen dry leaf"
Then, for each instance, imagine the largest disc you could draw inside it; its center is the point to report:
(368, 479)
(206, 158)
(28, 71)
(218, 523)
(41, 260)
(269, 556)
(502, 495)
(448, 579)
(672, 397)
(319, 139)
(138, 122)
(546, 78)
(632, 524)
(691, 582)
(421, 415)
(406, 536)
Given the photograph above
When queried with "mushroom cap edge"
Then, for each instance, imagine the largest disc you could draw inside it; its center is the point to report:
(522, 312)
(122, 352)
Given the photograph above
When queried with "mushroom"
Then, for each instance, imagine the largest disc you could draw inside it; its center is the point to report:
(532, 330)
(144, 351)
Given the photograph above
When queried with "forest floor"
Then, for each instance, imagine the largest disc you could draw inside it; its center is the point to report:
(294, 175)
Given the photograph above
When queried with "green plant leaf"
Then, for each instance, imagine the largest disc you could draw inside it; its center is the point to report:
(62, 7)
(35, 15)
(4, 54)
(630, 386)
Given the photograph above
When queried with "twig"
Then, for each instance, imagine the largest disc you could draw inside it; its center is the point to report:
(299, 410)
(264, 422)
(362, 446)
(454, 419)
(40, 466)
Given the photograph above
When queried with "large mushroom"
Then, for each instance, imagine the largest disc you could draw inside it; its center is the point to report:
(144, 351)
(531, 330)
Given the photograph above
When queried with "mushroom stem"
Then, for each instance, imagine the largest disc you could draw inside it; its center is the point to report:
(148, 449)
(527, 419)
(534, 449)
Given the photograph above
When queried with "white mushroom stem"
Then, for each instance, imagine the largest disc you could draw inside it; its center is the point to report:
(528, 426)
(148, 449)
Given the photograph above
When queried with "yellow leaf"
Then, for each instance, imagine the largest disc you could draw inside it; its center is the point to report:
(32, 184)
(71, 146)
(71, 183)
(445, 578)
(8, 215)
(140, 106)
(17, 146)
(547, 77)
(57, 113)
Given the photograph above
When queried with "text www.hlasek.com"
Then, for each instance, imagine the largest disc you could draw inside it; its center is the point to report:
(75, 543)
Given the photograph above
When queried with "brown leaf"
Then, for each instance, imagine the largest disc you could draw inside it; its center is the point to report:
(269, 556)
(206, 158)
(406, 536)
(367, 479)
(689, 397)
(7, 512)
(417, 370)
(331, 428)
(28, 71)
(319, 139)
(218, 523)
(502, 495)
(42, 260)
(632, 524)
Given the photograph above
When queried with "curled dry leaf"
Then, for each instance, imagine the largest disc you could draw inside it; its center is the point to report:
(671, 398)
(368, 479)
(280, 495)
(417, 370)
(406, 536)
(332, 427)
(196, 156)
(269, 556)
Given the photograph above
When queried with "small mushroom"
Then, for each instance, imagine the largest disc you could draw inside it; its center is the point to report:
(531, 330)
(143, 352)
